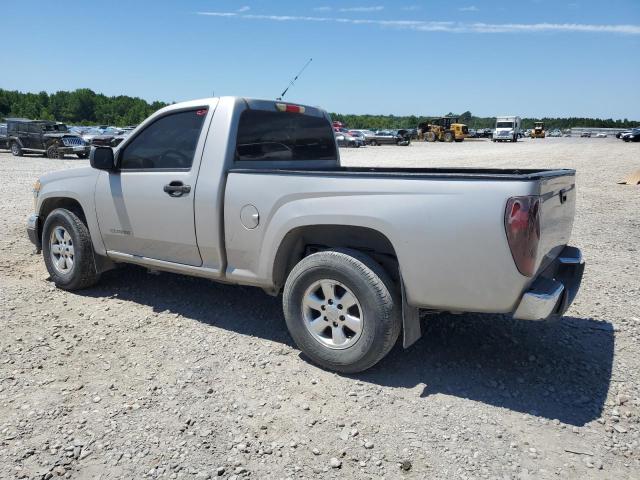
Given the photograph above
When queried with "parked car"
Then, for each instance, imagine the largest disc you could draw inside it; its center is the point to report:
(118, 139)
(388, 137)
(42, 136)
(585, 135)
(632, 136)
(405, 136)
(485, 133)
(620, 134)
(356, 252)
(3, 136)
(343, 139)
(412, 133)
(101, 136)
(601, 135)
(359, 135)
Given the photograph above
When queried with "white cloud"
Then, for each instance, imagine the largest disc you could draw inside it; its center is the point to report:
(449, 27)
(243, 9)
(362, 9)
(470, 8)
(322, 9)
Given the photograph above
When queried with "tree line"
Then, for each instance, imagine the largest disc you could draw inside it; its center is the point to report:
(80, 107)
(85, 107)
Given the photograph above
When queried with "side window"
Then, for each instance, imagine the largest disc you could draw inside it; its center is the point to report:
(168, 143)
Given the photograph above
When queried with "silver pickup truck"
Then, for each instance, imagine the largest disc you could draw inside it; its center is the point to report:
(252, 192)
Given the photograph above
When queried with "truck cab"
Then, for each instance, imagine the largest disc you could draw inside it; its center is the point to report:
(508, 129)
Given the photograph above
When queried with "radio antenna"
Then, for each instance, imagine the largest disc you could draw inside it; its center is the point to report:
(294, 80)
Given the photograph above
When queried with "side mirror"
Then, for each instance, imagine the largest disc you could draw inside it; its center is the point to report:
(102, 158)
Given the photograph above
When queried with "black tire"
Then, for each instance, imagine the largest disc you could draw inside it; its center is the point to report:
(376, 293)
(16, 150)
(373, 143)
(430, 137)
(52, 152)
(82, 155)
(449, 137)
(83, 273)
(515, 138)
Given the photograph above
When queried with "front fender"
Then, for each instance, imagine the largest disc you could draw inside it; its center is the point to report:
(77, 185)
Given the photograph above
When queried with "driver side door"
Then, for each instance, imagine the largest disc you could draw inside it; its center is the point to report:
(146, 207)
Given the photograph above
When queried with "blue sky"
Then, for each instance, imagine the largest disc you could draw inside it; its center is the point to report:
(526, 57)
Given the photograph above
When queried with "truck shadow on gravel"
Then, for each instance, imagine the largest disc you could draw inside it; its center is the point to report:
(556, 370)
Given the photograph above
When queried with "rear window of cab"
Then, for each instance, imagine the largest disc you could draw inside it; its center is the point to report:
(284, 136)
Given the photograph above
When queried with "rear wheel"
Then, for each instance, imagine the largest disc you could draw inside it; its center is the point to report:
(373, 143)
(67, 251)
(342, 310)
(82, 155)
(16, 150)
(430, 137)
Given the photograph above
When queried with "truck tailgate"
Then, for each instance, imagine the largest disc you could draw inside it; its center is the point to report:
(558, 200)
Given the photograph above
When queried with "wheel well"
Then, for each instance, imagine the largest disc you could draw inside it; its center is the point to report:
(50, 204)
(304, 241)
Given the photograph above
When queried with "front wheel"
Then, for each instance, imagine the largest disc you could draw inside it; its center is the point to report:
(68, 251)
(53, 152)
(448, 137)
(342, 310)
(16, 151)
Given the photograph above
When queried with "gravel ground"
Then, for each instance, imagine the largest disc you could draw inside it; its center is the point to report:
(158, 375)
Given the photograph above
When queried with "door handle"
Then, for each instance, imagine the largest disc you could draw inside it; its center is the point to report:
(176, 188)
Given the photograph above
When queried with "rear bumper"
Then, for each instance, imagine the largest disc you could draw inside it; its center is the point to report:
(553, 291)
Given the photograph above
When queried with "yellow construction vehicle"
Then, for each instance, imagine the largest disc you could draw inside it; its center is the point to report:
(538, 131)
(444, 129)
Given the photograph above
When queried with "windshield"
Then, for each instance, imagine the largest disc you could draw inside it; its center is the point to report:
(58, 127)
(504, 125)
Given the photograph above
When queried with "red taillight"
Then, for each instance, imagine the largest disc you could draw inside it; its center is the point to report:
(522, 223)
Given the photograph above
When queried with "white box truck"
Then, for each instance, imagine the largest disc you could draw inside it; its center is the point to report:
(508, 128)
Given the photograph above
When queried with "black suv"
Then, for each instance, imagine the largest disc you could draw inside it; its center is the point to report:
(41, 136)
(3, 135)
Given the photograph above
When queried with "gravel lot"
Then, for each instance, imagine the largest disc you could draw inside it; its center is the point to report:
(158, 375)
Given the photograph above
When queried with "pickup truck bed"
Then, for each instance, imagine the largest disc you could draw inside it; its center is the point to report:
(449, 222)
(252, 192)
(431, 173)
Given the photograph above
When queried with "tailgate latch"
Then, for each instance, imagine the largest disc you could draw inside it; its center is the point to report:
(563, 195)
